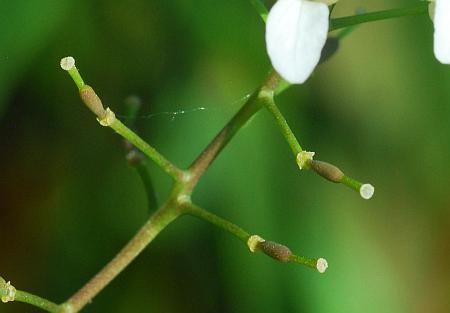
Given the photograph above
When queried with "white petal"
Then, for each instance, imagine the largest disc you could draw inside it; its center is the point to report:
(296, 32)
(442, 31)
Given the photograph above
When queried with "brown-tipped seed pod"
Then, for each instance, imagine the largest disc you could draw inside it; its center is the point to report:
(275, 250)
(327, 170)
(92, 101)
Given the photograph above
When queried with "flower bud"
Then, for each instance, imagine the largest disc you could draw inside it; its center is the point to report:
(92, 101)
(327, 170)
(275, 250)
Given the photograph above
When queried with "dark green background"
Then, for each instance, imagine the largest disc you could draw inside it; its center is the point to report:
(379, 109)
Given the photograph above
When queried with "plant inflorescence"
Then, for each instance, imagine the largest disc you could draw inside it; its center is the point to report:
(297, 40)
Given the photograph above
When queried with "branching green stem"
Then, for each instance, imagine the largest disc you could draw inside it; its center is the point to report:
(159, 220)
(209, 154)
(107, 118)
(418, 8)
(185, 181)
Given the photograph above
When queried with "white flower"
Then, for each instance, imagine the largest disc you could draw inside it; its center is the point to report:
(441, 18)
(296, 32)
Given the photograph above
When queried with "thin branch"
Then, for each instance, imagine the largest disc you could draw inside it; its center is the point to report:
(8, 293)
(148, 150)
(304, 158)
(209, 154)
(421, 7)
(44, 304)
(283, 125)
(218, 221)
(254, 242)
(159, 220)
(107, 118)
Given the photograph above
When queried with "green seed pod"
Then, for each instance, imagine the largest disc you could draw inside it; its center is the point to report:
(275, 250)
(327, 170)
(92, 101)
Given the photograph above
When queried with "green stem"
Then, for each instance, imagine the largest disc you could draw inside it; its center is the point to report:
(303, 260)
(421, 7)
(107, 118)
(244, 236)
(296, 148)
(135, 158)
(73, 72)
(159, 220)
(352, 183)
(9, 294)
(345, 32)
(217, 221)
(282, 123)
(260, 8)
(44, 304)
(209, 154)
(152, 202)
(148, 150)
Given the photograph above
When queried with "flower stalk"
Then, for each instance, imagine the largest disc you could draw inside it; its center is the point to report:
(254, 243)
(179, 202)
(9, 294)
(418, 8)
(305, 158)
(283, 254)
(159, 220)
(108, 118)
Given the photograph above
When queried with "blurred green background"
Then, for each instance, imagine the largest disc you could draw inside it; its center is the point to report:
(379, 109)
